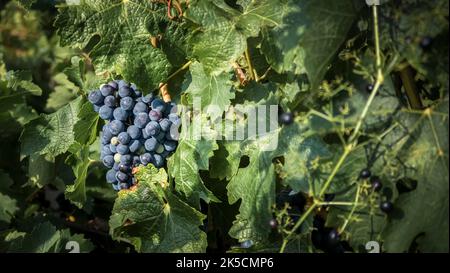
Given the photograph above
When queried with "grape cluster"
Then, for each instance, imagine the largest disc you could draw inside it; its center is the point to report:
(139, 130)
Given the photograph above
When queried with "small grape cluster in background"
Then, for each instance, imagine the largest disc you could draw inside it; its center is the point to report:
(140, 130)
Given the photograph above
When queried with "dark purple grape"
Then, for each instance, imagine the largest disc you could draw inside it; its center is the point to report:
(386, 206)
(170, 145)
(160, 137)
(146, 158)
(124, 138)
(124, 168)
(140, 107)
(333, 238)
(136, 160)
(121, 176)
(105, 112)
(426, 42)
(273, 223)
(106, 134)
(165, 124)
(147, 98)
(95, 97)
(111, 176)
(108, 161)
(110, 101)
(106, 150)
(376, 183)
(144, 134)
(152, 128)
(127, 103)
(135, 144)
(116, 126)
(121, 83)
(286, 118)
(365, 173)
(107, 90)
(113, 84)
(134, 132)
(158, 104)
(172, 135)
(151, 144)
(120, 114)
(123, 149)
(165, 154)
(124, 91)
(170, 108)
(126, 159)
(113, 148)
(141, 120)
(154, 115)
(158, 160)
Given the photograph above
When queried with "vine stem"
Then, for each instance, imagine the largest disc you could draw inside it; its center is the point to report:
(354, 137)
(296, 226)
(249, 63)
(353, 140)
(351, 211)
(337, 203)
(171, 76)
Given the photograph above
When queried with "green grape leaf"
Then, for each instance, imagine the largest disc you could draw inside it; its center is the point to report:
(222, 37)
(366, 223)
(80, 161)
(76, 72)
(85, 130)
(425, 155)
(302, 170)
(155, 220)
(14, 87)
(211, 90)
(257, 14)
(254, 184)
(41, 170)
(125, 48)
(78, 243)
(26, 3)
(20, 81)
(5, 180)
(191, 156)
(8, 207)
(51, 134)
(64, 92)
(42, 239)
(309, 36)
(225, 162)
(45, 238)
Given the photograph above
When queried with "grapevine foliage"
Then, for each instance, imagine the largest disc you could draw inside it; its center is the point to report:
(359, 153)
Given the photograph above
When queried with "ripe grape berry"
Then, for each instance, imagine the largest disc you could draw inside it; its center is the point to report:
(333, 238)
(273, 223)
(365, 173)
(376, 183)
(286, 118)
(425, 43)
(386, 206)
(139, 130)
